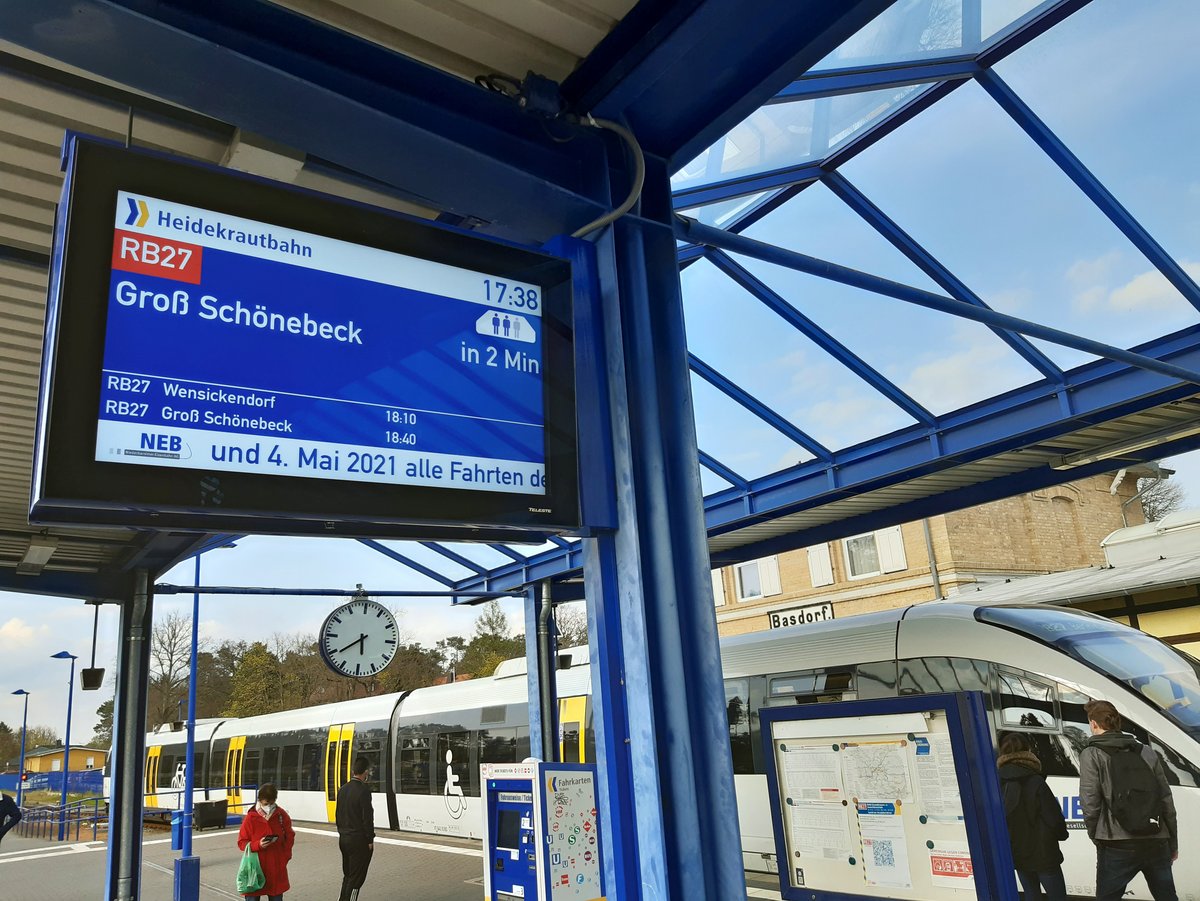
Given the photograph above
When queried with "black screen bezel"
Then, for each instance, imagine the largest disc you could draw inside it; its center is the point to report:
(72, 487)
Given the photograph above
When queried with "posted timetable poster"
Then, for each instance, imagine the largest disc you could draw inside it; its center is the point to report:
(241, 346)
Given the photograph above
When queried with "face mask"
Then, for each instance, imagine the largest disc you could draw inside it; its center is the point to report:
(266, 809)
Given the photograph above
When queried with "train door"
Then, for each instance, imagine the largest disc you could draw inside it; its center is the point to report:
(153, 758)
(571, 720)
(233, 773)
(338, 756)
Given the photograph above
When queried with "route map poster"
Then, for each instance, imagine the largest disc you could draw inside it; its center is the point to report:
(235, 345)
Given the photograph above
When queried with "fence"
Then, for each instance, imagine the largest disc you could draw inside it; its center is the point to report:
(81, 782)
(75, 821)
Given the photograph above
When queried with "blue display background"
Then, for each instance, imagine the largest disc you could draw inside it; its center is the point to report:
(410, 359)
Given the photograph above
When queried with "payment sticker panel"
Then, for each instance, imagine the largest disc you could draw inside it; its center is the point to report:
(542, 833)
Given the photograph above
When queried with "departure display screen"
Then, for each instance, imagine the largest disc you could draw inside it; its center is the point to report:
(224, 352)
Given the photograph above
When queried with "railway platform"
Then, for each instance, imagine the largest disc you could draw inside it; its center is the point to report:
(405, 865)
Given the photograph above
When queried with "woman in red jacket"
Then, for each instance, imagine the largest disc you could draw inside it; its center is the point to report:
(267, 829)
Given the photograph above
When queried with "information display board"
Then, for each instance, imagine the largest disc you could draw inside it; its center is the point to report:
(895, 798)
(220, 349)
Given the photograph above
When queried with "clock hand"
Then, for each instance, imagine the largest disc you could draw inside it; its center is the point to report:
(361, 638)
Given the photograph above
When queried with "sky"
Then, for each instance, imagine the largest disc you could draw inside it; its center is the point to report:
(1115, 82)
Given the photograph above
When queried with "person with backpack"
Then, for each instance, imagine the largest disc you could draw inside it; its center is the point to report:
(1035, 820)
(1127, 807)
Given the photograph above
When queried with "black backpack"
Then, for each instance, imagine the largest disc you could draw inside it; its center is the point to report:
(1136, 802)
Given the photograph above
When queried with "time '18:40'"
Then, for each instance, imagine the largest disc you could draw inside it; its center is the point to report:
(506, 295)
(401, 439)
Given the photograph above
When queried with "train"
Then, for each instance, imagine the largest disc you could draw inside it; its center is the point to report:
(1036, 665)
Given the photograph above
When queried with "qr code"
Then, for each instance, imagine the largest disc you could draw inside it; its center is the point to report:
(881, 850)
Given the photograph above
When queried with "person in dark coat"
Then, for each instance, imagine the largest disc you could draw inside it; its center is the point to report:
(1035, 821)
(356, 828)
(267, 829)
(10, 814)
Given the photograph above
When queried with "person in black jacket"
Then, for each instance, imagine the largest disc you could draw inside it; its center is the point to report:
(356, 829)
(10, 814)
(1035, 821)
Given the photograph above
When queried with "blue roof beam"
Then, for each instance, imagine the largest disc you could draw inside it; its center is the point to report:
(690, 230)
(1029, 417)
(836, 82)
(1090, 185)
(927, 263)
(758, 408)
(407, 561)
(820, 337)
(464, 562)
(713, 464)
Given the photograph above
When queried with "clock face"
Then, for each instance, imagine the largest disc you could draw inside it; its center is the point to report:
(359, 638)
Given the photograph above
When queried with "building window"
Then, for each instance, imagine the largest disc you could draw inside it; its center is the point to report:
(875, 553)
(90, 763)
(757, 579)
(55, 766)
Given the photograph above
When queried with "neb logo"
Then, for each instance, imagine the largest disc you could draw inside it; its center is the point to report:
(138, 212)
(150, 441)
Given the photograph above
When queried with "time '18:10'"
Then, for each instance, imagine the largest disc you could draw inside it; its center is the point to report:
(516, 296)
(401, 417)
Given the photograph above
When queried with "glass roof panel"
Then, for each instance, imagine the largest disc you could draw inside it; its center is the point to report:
(719, 215)
(984, 199)
(940, 361)
(919, 30)
(906, 30)
(1134, 122)
(791, 134)
(748, 343)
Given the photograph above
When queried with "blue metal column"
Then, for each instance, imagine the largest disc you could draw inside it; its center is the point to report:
(123, 877)
(541, 673)
(668, 774)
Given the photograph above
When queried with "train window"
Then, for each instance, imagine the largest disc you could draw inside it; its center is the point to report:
(198, 763)
(522, 746)
(310, 767)
(166, 771)
(876, 680)
(497, 745)
(1178, 770)
(250, 765)
(331, 772)
(453, 764)
(372, 749)
(289, 766)
(220, 753)
(812, 687)
(928, 675)
(1025, 702)
(270, 766)
(570, 742)
(589, 744)
(414, 766)
(737, 709)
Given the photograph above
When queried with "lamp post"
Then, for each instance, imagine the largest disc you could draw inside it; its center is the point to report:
(189, 774)
(24, 729)
(62, 813)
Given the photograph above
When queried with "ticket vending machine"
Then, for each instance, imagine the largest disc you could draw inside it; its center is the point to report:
(541, 834)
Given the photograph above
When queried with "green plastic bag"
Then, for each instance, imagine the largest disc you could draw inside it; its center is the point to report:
(250, 876)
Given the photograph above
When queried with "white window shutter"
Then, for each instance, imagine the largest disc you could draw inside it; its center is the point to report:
(768, 572)
(820, 566)
(718, 586)
(891, 550)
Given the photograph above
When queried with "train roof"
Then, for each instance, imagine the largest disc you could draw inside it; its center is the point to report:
(869, 636)
(488, 692)
(377, 708)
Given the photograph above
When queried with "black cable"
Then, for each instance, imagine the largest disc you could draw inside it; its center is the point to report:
(639, 176)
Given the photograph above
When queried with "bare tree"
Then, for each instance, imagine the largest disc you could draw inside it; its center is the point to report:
(170, 655)
(1161, 497)
(571, 620)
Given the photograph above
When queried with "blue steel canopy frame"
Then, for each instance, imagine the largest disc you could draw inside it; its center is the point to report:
(975, 767)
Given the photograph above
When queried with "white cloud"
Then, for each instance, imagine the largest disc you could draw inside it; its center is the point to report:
(17, 633)
(974, 373)
(1146, 292)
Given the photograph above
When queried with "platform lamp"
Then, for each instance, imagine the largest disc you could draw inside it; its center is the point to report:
(62, 813)
(24, 729)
